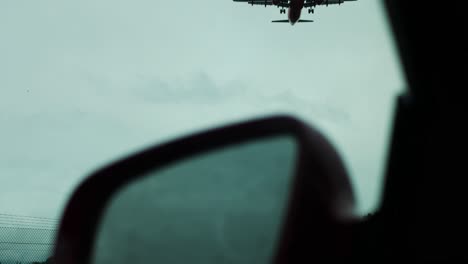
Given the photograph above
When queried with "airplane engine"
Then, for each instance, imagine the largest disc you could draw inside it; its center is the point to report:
(275, 2)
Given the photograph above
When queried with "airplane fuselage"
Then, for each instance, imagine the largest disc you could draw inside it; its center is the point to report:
(294, 11)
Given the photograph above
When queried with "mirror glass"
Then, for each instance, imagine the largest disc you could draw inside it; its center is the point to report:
(224, 206)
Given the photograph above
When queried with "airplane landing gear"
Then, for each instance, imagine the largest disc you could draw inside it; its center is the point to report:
(282, 11)
(311, 10)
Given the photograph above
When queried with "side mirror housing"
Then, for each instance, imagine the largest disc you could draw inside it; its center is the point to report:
(311, 218)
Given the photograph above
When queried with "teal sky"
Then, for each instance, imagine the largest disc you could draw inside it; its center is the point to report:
(85, 82)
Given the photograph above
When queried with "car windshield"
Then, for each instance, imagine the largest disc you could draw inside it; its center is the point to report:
(86, 82)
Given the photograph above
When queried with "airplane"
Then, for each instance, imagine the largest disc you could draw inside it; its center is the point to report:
(294, 7)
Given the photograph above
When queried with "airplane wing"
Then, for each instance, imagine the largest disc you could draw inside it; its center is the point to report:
(313, 3)
(281, 3)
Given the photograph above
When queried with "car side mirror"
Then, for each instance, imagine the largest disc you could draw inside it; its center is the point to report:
(271, 190)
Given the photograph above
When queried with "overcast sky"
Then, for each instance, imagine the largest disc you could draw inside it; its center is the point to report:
(85, 82)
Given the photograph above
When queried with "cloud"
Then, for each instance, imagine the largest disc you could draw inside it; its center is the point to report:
(198, 88)
(201, 89)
